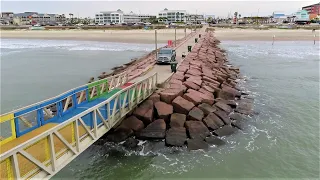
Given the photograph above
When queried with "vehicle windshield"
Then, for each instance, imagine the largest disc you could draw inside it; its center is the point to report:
(165, 51)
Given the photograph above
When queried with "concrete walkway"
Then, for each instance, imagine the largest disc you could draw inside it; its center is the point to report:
(164, 71)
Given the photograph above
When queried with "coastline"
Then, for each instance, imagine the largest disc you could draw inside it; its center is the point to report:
(147, 36)
(122, 36)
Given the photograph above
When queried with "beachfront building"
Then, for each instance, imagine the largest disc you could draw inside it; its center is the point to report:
(6, 18)
(313, 11)
(278, 17)
(172, 16)
(107, 17)
(302, 16)
(135, 18)
(195, 18)
(27, 18)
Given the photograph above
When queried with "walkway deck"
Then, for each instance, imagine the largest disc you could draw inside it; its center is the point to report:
(164, 71)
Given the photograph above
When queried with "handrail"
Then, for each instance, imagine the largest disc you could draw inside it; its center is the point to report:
(66, 92)
(123, 101)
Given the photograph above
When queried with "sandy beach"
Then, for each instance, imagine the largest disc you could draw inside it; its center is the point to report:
(266, 35)
(147, 36)
(125, 36)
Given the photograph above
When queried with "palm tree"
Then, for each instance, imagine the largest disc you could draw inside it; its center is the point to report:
(71, 17)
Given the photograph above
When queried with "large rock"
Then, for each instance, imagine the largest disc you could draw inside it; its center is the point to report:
(178, 86)
(177, 120)
(223, 115)
(205, 78)
(210, 94)
(196, 129)
(208, 88)
(175, 81)
(194, 72)
(196, 114)
(155, 97)
(169, 95)
(131, 143)
(231, 103)
(197, 97)
(225, 130)
(224, 107)
(237, 116)
(155, 130)
(178, 77)
(206, 108)
(212, 121)
(119, 135)
(232, 90)
(195, 81)
(191, 85)
(196, 144)
(181, 105)
(245, 106)
(176, 136)
(214, 140)
(145, 112)
(164, 110)
(132, 123)
(194, 98)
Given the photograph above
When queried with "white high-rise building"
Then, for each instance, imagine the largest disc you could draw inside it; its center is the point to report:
(172, 15)
(105, 17)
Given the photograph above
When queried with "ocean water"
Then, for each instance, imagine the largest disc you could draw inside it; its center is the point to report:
(281, 139)
(33, 70)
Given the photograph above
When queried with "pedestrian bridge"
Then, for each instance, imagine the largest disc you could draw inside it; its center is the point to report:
(37, 141)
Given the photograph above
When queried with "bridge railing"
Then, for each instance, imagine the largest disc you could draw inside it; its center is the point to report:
(21, 121)
(44, 155)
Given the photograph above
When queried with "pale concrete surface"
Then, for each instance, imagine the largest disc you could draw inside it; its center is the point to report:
(164, 71)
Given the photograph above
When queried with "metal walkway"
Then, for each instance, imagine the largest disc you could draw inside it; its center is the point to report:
(46, 136)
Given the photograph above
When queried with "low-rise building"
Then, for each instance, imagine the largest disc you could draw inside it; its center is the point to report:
(107, 17)
(278, 17)
(6, 18)
(302, 16)
(135, 18)
(172, 15)
(195, 18)
(34, 18)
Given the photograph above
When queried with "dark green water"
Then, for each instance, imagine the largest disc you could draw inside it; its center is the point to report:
(280, 141)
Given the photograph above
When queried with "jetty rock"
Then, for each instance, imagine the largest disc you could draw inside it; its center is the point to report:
(177, 120)
(200, 103)
(155, 130)
(176, 136)
(163, 110)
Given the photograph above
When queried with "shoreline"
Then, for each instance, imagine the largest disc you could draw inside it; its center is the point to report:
(163, 35)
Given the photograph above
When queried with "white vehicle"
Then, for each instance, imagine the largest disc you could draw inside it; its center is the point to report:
(100, 24)
(147, 23)
(91, 24)
(80, 24)
(37, 25)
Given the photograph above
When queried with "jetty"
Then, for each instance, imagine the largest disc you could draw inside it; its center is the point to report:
(38, 140)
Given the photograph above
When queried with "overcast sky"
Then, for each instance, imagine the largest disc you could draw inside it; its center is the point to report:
(218, 8)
